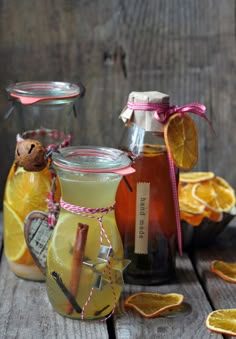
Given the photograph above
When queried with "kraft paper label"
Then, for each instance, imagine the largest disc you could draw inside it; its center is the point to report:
(142, 216)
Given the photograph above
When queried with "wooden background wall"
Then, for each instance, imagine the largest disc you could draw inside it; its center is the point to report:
(186, 48)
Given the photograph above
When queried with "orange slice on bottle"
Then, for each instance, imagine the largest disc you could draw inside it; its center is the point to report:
(222, 321)
(181, 137)
(150, 305)
(216, 194)
(195, 177)
(226, 271)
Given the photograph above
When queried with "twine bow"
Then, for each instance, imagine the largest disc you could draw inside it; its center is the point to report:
(53, 209)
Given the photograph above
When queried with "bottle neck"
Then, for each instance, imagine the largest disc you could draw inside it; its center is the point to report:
(136, 140)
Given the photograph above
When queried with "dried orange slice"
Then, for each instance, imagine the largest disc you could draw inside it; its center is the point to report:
(150, 305)
(192, 219)
(216, 194)
(226, 271)
(222, 321)
(195, 177)
(187, 202)
(180, 133)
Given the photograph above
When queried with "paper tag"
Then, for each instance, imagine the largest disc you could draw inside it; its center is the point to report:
(142, 217)
(37, 234)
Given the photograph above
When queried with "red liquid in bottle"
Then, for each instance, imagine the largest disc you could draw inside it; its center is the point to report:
(146, 218)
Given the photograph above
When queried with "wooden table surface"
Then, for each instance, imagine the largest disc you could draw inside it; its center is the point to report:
(25, 311)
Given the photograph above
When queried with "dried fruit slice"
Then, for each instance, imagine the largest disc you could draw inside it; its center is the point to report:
(15, 246)
(222, 321)
(187, 202)
(226, 271)
(195, 177)
(216, 194)
(180, 133)
(150, 305)
(192, 219)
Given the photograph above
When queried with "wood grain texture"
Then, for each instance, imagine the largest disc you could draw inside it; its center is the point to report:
(25, 312)
(182, 47)
(221, 292)
(190, 323)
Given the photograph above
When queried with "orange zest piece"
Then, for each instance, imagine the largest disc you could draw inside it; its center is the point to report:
(150, 305)
(226, 271)
(181, 138)
(222, 321)
(216, 194)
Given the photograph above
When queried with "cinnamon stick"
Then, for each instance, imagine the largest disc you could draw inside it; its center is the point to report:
(77, 262)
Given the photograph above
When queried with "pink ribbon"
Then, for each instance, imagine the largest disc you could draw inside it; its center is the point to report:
(162, 113)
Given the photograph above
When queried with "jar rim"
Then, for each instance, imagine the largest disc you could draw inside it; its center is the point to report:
(29, 92)
(93, 159)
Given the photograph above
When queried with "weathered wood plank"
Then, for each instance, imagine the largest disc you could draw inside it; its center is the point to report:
(25, 312)
(190, 323)
(221, 292)
(185, 48)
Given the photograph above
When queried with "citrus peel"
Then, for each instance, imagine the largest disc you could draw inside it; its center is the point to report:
(226, 271)
(195, 177)
(181, 138)
(222, 321)
(152, 304)
(207, 198)
(216, 194)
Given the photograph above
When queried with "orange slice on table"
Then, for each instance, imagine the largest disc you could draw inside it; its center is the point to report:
(222, 321)
(14, 242)
(180, 133)
(195, 177)
(226, 271)
(216, 194)
(150, 305)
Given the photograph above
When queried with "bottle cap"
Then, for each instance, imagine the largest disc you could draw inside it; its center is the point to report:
(144, 117)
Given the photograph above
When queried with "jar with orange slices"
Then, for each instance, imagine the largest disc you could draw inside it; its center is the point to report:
(161, 139)
(44, 113)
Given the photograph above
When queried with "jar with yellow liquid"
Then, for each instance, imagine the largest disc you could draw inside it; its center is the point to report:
(44, 113)
(84, 269)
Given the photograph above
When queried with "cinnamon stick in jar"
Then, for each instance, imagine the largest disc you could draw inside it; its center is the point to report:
(77, 262)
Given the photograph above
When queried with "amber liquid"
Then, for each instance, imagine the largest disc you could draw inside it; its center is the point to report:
(158, 263)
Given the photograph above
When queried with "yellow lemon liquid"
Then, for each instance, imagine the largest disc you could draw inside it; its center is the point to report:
(96, 300)
(24, 192)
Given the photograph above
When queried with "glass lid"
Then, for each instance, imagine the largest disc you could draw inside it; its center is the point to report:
(31, 92)
(93, 159)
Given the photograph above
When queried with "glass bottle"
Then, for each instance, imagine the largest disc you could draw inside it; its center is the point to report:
(88, 287)
(145, 210)
(44, 113)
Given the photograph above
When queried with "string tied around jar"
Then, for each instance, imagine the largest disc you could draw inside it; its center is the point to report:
(92, 213)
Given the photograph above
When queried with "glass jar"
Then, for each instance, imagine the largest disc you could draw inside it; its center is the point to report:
(44, 112)
(84, 271)
(145, 209)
